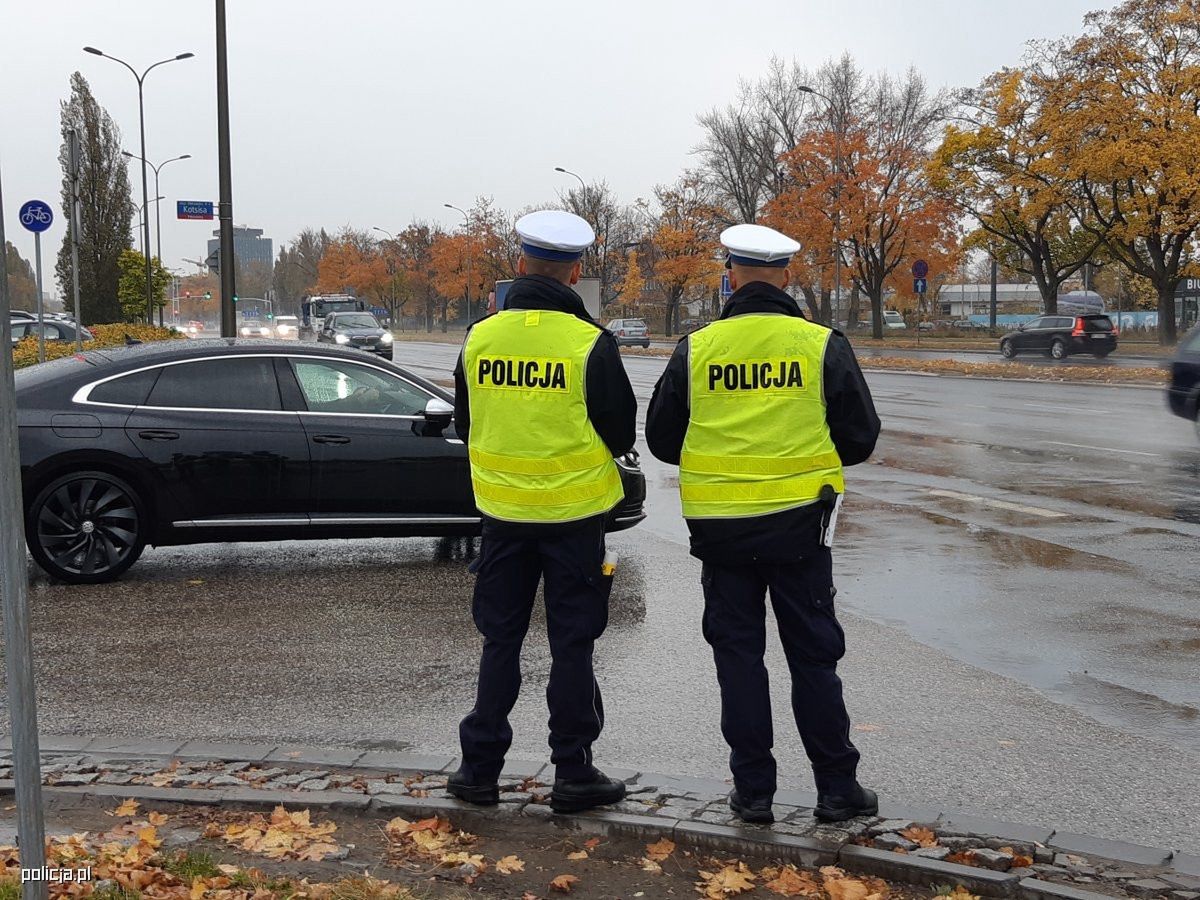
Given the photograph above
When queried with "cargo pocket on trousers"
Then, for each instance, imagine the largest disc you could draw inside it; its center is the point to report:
(829, 641)
(818, 577)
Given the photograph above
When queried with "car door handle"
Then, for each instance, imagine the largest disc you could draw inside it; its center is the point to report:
(153, 435)
(331, 439)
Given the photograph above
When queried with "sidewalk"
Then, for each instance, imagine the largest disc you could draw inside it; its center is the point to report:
(927, 846)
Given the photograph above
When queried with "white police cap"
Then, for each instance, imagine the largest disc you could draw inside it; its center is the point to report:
(757, 245)
(554, 234)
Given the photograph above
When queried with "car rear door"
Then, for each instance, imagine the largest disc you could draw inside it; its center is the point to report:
(376, 459)
(1037, 333)
(217, 436)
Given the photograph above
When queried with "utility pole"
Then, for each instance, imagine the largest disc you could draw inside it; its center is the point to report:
(228, 261)
(992, 297)
(14, 593)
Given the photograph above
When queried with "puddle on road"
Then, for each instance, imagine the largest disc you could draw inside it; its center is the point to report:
(1178, 721)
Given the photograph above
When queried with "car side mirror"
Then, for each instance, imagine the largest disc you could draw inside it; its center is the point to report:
(438, 416)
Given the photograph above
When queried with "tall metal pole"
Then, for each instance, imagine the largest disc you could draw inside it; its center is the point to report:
(73, 150)
(145, 188)
(14, 592)
(145, 203)
(228, 263)
(992, 297)
(470, 246)
(158, 232)
(37, 252)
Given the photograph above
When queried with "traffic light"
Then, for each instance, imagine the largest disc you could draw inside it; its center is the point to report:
(208, 295)
(235, 299)
(270, 315)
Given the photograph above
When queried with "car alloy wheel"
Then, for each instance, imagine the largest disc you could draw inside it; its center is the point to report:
(1058, 349)
(1007, 350)
(86, 528)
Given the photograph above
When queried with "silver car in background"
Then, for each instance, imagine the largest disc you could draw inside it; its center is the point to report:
(630, 332)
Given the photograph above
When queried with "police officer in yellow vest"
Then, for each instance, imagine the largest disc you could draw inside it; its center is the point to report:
(761, 410)
(544, 404)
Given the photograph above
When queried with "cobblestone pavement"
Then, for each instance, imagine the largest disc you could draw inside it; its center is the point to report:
(919, 845)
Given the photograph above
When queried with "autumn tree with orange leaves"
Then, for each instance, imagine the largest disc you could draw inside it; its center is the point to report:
(684, 245)
(864, 191)
(352, 265)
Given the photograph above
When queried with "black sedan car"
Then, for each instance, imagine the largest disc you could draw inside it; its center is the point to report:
(1183, 393)
(360, 330)
(185, 442)
(1060, 336)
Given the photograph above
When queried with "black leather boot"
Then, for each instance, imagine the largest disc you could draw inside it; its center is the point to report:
(757, 811)
(479, 794)
(571, 795)
(858, 801)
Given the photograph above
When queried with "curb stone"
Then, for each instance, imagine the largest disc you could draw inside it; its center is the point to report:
(690, 808)
(1033, 889)
(918, 870)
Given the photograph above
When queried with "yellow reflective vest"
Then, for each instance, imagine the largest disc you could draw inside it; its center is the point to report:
(535, 455)
(757, 440)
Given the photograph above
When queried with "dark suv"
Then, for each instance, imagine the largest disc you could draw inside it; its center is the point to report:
(1060, 336)
(1183, 393)
(360, 330)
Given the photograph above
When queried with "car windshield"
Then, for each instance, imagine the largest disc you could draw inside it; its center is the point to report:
(360, 321)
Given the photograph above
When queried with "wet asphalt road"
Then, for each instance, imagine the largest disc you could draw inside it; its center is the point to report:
(1016, 573)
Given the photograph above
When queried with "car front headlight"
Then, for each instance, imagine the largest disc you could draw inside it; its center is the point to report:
(386, 337)
(341, 339)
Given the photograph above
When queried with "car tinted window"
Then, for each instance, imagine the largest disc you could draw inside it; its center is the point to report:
(1064, 322)
(346, 387)
(129, 390)
(229, 383)
(1035, 323)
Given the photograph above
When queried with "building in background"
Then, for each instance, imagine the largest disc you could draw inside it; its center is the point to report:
(249, 246)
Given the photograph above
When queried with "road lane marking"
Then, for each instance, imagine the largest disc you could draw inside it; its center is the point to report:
(1104, 449)
(999, 504)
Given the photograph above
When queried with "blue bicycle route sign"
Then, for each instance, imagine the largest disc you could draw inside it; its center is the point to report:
(36, 215)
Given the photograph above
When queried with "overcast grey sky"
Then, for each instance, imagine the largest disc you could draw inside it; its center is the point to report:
(366, 112)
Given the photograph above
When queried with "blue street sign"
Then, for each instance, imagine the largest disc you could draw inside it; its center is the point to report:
(726, 290)
(36, 216)
(919, 285)
(194, 209)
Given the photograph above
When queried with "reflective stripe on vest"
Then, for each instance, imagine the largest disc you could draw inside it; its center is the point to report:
(535, 456)
(757, 440)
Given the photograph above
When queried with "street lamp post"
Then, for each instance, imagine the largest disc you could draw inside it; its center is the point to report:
(467, 219)
(391, 272)
(158, 205)
(569, 172)
(837, 194)
(142, 127)
(144, 219)
(601, 250)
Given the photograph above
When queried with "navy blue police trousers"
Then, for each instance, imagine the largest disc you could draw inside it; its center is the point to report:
(735, 626)
(576, 597)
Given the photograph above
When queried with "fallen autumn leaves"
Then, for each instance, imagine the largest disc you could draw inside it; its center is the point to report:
(139, 857)
(1022, 371)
